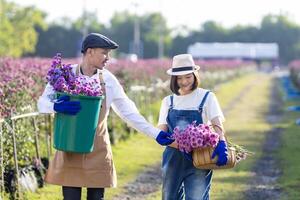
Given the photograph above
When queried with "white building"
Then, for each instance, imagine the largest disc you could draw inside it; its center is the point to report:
(253, 51)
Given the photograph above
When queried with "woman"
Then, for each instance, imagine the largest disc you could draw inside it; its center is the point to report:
(188, 103)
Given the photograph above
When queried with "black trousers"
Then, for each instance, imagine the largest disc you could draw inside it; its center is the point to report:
(74, 193)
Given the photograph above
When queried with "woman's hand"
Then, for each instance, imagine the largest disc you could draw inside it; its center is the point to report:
(174, 145)
(221, 152)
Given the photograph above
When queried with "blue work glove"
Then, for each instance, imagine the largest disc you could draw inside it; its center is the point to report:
(221, 152)
(164, 138)
(64, 105)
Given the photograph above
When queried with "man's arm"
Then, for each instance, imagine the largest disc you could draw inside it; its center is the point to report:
(126, 109)
(128, 112)
(44, 103)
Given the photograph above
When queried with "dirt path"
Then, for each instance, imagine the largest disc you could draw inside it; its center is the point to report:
(149, 181)
(145, 184)
(264, 183)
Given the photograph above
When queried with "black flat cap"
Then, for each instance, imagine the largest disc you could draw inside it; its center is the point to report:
(96, 40)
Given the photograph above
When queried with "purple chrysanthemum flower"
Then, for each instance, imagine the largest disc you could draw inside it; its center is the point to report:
(195, 136)
(62, 78)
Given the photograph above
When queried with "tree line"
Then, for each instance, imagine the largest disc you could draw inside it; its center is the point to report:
(24, 32)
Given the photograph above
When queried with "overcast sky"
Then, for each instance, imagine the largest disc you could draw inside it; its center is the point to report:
(177, 12)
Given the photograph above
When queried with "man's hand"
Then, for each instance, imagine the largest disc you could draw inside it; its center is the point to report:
(164, 138)
(221, 152)
(64, 105)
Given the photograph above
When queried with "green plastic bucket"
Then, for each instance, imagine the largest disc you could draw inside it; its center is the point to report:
(76, 133)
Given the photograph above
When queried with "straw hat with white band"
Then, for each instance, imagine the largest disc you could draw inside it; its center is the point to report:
(182, 64)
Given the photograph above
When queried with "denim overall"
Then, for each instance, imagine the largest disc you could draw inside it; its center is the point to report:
(180, 178)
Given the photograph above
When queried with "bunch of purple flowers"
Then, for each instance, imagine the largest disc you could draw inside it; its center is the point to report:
(63, 79)
(195, 136)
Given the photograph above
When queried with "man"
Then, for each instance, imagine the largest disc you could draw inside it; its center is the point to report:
(94, 170)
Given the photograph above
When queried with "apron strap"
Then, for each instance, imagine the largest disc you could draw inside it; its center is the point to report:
(77, 70)
(102, 83)
(203, 101)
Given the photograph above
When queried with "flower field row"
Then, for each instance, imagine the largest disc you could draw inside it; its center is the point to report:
(23, 80)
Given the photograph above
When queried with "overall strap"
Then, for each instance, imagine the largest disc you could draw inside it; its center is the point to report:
(203, 101)
(171, 100)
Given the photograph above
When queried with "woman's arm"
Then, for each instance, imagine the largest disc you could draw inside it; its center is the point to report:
(218, 127)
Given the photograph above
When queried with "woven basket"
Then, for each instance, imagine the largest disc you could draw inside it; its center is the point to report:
(202, 159)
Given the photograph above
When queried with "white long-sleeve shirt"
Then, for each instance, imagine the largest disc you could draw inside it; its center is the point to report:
(115, 97)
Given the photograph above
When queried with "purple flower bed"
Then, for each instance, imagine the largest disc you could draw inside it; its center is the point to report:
(22, 81)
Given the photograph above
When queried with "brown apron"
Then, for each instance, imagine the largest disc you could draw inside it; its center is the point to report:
(94, 170)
